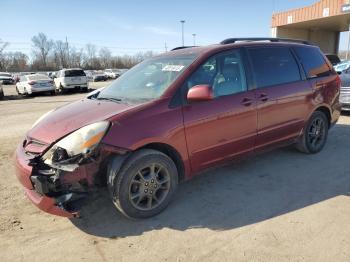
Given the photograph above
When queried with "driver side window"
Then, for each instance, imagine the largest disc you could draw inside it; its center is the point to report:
(223, 72)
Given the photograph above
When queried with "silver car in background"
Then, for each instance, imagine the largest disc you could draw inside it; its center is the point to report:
(345, 89)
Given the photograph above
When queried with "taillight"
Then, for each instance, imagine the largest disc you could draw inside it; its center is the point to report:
(32, 83)
(338, 81)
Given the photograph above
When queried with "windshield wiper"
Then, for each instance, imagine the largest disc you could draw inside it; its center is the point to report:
(113, 99)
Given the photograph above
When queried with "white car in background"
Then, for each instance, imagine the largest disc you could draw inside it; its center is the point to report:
(34, 83)
(74, 78)
(112, 73)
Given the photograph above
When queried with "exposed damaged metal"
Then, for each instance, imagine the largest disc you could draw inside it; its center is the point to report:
(67, 179)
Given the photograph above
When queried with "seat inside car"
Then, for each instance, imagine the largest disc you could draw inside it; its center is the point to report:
(228, 81)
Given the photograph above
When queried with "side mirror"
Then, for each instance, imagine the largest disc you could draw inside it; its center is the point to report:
(200, 93)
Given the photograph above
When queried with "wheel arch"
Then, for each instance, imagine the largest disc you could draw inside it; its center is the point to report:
(170, 152)
(327, 112)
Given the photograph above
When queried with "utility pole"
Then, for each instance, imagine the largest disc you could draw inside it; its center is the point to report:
(166, 47)
(194, 39)
(183, 29)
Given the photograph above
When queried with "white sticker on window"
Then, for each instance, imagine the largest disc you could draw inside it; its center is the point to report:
(173, 68)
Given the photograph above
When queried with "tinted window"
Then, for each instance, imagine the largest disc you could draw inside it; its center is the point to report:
(273, 66)
(313, 61)
(69, 73)
(334, 59)
(223, 72)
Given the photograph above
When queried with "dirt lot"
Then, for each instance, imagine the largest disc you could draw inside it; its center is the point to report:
(279, 206)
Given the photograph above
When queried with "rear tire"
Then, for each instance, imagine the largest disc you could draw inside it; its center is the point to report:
(60, 90)
(145, 184)
(1, 94)
(315, 134)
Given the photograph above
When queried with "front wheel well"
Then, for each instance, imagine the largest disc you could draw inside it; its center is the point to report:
(172, 153)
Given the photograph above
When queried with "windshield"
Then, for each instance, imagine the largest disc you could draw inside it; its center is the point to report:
(147, 80)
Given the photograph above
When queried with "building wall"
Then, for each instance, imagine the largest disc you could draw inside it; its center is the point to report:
(328, 41)
(323, 8)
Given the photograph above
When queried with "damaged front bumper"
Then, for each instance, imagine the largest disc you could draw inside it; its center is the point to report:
(53, 190)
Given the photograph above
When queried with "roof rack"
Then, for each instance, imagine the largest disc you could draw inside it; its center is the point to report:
(271, 39)
(182, 47)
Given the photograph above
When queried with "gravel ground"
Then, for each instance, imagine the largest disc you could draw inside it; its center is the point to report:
(277, 206)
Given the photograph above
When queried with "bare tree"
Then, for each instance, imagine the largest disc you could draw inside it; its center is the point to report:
(16, 61)
(61, 54)
(76, 57)
(3, 45)
(105, 56)
(41, 48)
(90, 55)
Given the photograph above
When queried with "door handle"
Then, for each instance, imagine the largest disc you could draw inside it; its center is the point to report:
(247, 101)
(263, 97)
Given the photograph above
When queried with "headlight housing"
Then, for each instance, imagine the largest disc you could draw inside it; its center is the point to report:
(81, 142)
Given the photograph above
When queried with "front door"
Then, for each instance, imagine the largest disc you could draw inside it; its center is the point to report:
(225, 126)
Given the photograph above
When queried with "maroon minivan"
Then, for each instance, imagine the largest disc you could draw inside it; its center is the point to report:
(174, 115)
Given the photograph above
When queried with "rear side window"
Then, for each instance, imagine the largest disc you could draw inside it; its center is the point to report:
(273, 66)
(313, 61)
(334, 59)
(69, 73)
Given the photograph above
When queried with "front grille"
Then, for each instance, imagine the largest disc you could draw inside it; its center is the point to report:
(33, 146)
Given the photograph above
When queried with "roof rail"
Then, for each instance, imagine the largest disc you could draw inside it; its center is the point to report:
(182, 47)
(271, 39)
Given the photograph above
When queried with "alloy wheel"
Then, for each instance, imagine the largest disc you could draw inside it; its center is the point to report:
(149, 187)
(317, 133)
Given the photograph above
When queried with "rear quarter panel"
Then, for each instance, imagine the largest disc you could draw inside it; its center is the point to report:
(326, 92)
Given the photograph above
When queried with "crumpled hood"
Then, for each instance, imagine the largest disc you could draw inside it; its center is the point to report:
(71, 117)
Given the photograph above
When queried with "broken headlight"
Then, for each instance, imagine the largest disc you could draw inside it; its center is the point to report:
(81, 142)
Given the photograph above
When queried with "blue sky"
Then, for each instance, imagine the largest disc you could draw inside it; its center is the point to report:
(130, 26)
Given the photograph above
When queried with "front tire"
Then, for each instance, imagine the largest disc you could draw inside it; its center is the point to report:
(315, 134)
(145, 184)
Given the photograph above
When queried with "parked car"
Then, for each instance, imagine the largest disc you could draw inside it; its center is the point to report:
(333, 58)
(1, 91)
(97, 77)
(52, 75)
(6, 78)
(112, 73)
(68, 79)
(342, 66)
(175, 115)
(345, 89)
(34, 83)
